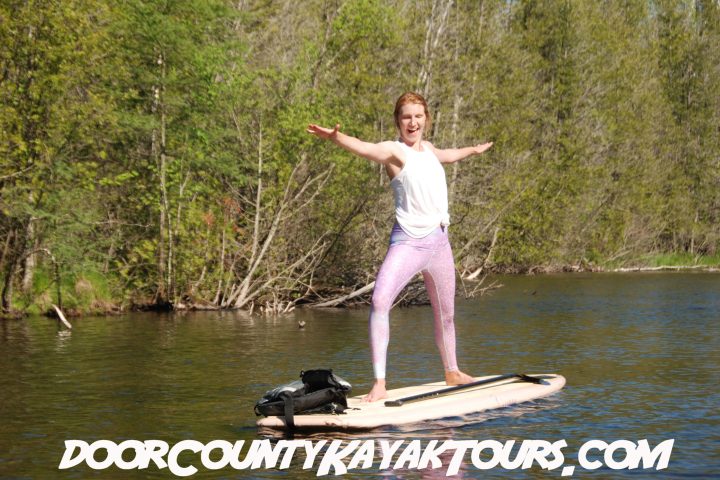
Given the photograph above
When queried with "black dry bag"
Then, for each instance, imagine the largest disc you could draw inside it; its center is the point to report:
(317, 391)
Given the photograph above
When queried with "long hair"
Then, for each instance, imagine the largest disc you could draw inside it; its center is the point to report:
(410, 98)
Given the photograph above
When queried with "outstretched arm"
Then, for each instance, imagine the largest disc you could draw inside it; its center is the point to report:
(452, 155)
(383, 152)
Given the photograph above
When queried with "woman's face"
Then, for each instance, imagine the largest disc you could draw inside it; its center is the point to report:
(411, 122)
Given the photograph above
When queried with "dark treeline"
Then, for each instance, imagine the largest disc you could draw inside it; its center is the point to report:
(154, 152)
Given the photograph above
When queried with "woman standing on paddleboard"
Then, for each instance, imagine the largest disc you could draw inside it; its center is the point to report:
(419, 239)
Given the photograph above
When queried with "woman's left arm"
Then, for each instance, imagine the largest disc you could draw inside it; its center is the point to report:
(452, 155)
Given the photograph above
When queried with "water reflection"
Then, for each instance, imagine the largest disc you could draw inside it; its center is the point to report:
(63, 337)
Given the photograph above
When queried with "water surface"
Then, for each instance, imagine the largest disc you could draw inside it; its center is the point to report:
(639, 351)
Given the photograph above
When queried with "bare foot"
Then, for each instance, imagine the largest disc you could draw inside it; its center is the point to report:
(378, 391)
(457, 378)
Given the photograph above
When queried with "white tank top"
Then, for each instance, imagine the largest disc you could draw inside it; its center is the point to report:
(420, 192)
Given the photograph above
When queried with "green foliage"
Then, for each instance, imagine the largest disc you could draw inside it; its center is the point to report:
(132, 133)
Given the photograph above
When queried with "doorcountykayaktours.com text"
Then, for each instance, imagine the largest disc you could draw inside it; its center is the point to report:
(337, 457)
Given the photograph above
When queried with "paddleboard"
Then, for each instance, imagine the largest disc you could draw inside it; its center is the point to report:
(431, 401)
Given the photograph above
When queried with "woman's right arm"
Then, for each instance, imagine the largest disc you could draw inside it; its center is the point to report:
(383, 152)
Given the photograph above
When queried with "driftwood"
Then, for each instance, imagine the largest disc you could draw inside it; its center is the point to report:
(414, 293)
(61, 316)
(477, 272)
(667, 268)
(478, 288)
(337, 301)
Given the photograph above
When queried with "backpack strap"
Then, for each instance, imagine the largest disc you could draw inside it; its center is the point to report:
(289, 410)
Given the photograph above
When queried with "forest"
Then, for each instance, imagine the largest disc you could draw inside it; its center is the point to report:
(154, 153)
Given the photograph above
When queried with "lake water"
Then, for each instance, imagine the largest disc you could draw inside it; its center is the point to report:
(639, 351)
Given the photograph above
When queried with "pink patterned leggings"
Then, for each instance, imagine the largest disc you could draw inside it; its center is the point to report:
(405, 258)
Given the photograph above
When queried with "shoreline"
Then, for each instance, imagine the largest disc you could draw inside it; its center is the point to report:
(117, 309)
(638, 269)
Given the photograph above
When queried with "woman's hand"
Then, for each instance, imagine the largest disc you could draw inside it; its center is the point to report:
(480, 148)
(322, 132)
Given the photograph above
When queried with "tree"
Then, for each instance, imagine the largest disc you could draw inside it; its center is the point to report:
(50, 123)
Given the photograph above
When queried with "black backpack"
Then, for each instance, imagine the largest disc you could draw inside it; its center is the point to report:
(317, 391)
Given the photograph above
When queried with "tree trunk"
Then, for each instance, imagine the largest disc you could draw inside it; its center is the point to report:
(29, 261)
(456, 165)
(159, 145)
(435, 26)
(7, 287)
(10, 257)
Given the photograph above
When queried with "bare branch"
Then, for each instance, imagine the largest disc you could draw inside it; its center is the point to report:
(340, 300)
(16, 174)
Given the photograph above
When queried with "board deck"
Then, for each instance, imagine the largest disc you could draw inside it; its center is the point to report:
(366, 416)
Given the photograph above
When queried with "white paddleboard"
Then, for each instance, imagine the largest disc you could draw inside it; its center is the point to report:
(486, 396)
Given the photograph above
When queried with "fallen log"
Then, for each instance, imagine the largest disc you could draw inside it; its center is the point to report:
(61, 316)
(337, 301)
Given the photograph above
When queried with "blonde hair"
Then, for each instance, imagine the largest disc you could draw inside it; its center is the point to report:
(411, 98)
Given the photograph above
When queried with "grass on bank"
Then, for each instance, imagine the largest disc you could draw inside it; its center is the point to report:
(83, 293)
(681, 260)
(660, 260)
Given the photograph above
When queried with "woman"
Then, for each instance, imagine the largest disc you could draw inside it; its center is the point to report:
(419, 238)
